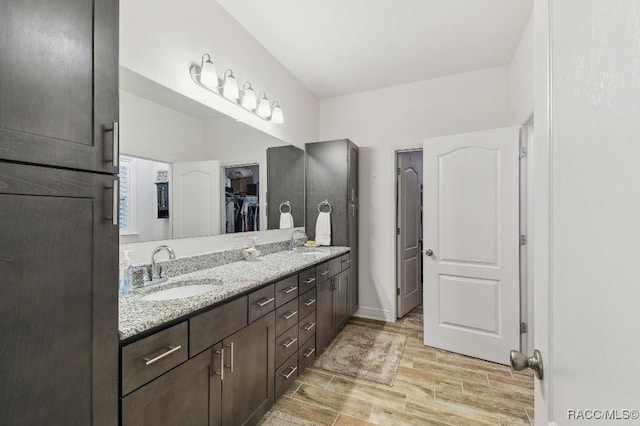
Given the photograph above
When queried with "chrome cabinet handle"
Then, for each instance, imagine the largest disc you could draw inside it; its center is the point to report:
(115, 206)
(310, 280)
(324, 273)
(289, 290)
(310, 326)
(115, 130)
(292, 340)
(346, 261)
(265, 302)
(291, 371)
(230, 346)
(290, 315)
(172, 349)
(309, 302)
(309, 352)
(221, 372)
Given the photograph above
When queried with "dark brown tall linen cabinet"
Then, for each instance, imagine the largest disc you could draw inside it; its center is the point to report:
(58, 199)
(332, 175)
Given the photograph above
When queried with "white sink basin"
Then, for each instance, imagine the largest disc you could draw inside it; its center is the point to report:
(181, 292)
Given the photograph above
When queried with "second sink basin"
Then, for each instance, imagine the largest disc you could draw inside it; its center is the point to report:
(181, 292)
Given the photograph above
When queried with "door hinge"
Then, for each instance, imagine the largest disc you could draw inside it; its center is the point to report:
(523, 240)
(397, 231)
(523, 328)
(398, 171)
(397, 291)
(523, 151)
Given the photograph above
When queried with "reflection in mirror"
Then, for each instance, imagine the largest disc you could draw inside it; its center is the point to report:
(242, 198)
(165, 130)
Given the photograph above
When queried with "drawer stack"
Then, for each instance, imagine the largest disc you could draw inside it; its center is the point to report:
(307, 325)
(287, 316)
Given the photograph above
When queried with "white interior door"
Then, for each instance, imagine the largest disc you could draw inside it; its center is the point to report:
(471, 226)
(196, 194)
(409, 239)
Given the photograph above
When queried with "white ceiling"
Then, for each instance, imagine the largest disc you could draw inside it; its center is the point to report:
(336, 47)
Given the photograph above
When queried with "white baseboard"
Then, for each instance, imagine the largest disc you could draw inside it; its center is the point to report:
(375, 314)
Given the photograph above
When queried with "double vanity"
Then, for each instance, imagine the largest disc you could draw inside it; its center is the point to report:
(220, 345)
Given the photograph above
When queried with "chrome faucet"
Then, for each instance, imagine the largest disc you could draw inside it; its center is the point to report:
(301, 234)
(156, 271)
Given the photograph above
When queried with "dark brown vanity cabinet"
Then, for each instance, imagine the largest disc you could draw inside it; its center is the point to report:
(332, 175)
(333, 301)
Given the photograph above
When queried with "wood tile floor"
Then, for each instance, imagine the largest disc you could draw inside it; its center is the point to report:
(432, 387)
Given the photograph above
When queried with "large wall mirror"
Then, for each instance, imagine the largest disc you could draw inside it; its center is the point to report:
(189, 171)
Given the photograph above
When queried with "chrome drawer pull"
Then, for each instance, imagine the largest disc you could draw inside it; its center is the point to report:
(324, 273)
(289, 290)
(292, 340)
(265, 302)
(309, 353)
(293, 370)
(290, 315)
(310, 280)
(172, 349)
(230, 366)
(221, 372)
(346, 261)
(310, 326)
(309, 302)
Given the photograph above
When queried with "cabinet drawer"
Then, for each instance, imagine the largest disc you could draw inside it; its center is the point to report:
(307, 353)
(286, 344)
(286, 316)
(307, 303)
(210, 327)
(261, 302)
(307, 279)
(286, 375)
(286, 290)
(307, 327)
(146, 359)
(322, 272)
(335, 266)
(346, 261)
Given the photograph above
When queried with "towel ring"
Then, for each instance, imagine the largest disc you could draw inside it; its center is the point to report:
(324, 203)
(285, 204)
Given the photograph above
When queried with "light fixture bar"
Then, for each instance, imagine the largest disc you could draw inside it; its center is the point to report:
(228, 89)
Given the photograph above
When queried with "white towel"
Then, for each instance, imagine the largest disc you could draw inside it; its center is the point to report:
(323, 229)
(286, 220)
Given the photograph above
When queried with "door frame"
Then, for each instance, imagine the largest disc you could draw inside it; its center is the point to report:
(396, 199)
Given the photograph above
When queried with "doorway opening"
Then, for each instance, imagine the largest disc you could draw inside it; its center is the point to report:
(241, 185)
(409, 269)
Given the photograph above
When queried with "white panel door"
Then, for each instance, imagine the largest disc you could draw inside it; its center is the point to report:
(196, 194)
(471, 226)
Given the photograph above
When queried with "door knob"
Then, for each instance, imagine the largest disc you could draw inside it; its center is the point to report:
(429, 252)
(520, 361)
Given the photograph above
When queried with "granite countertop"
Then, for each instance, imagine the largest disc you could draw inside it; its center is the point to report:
(137, 315)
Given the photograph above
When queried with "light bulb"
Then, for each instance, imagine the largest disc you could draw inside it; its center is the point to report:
(230, 86)
(208, 73)
(276, 114)
(264, 109)
(249, 97)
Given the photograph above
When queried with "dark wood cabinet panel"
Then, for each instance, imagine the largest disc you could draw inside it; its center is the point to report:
(248, 385)
(214, 325)
(324, 314)
(58, 263)
(180, 397)
(59, 82)
(341, 300)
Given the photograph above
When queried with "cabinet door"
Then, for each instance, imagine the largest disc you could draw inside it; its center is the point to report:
(59, 301)
(352, 220)
(59, 82)
(324, 314)
(248, 385)
(179, 397)
(341, 300)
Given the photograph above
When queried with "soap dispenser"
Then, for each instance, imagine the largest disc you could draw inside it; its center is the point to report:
(126, 274)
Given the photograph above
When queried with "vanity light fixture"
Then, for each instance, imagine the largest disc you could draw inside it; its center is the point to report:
(205, 76)
(264, 109)
(248, 97)
(276, 113)
(208, 73)
(230, 86)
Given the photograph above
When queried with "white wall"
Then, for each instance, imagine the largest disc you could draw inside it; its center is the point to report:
(161, 41)
(157, 132)
(521, 78)
(384, 120)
